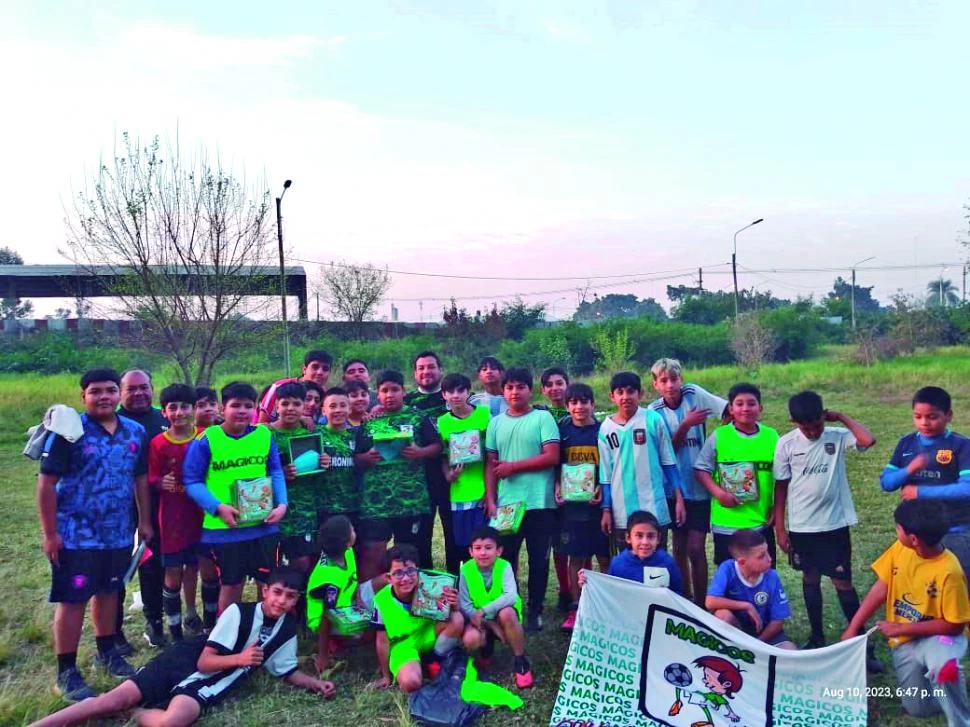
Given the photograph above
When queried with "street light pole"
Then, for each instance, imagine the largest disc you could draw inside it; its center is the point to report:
(279, 237)
(852, 291)
(734, 263)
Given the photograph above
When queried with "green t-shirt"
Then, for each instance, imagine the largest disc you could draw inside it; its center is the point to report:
(470, 485)
(558, 412)
(513, 438)
(339, 492)
(395, 487)
(301, 493)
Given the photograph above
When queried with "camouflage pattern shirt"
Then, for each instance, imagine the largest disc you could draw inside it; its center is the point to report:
(339, 493)
(302, 493)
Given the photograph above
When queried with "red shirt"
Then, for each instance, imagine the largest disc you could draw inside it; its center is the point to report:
(179, 516)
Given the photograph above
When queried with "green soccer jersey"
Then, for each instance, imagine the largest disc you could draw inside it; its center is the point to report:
(395, 487)
(558, 412)
(301, 493)
(431, 405)
(339, 493)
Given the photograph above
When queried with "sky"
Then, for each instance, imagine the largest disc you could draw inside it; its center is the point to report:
(595, 147)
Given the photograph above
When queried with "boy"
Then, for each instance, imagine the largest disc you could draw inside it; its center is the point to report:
(581, 536)
(685, 409)
(924, 591)
(642, 561)
(522, 452)
(316, 368)
(196, 674)
(637, 460)
(180, 519)
(206, 410)
(235, 450)
(810, 479)
(338, 492)
(467, 481)
(746, 591)
(406, 642)
(554, 382)
(298, 529)
(489, 600)
(934, 463)
(356, 370)
(360, 403)
(313, 403)
(490, 371)
(394, 495)
(739, 455)
(86, 491)
(333, 584)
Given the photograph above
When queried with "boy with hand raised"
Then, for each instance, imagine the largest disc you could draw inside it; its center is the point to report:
(489, 600)
(924, 591)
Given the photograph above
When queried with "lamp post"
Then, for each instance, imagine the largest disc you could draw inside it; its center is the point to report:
(852, 290)
(734, 263)
(279, 237)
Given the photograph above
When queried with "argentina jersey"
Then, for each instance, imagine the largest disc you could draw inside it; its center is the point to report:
(631, 456)
(692, 397)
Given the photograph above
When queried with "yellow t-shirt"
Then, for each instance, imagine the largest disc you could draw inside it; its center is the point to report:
(922, 589)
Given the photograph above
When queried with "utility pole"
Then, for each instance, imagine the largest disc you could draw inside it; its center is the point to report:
(734, 263)
(852, 292)
(279, 237)
(700, 280)
(964, 283)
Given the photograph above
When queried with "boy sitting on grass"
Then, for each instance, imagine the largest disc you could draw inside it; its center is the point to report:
(405, 643)
(333, 585)
(195, 674)
(924, 592)
(489, 600)
(747, 593)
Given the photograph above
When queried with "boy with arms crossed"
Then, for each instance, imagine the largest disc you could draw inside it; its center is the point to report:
(522, 452)
(685, 409)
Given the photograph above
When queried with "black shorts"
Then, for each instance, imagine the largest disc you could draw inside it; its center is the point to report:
(189, 556)
(161, 675)
(829, 553)
(698, 516)
(254, 558)
(297, 546)
(747, 625)
(721, 540)
(403, 529)
(583, 539)
(84, 573)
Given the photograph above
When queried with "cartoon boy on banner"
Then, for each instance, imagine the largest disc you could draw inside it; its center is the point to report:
(720, 676)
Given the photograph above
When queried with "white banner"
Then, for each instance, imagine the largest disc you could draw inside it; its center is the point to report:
(645, 656)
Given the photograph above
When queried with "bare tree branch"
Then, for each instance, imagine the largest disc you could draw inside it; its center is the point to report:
(354, 292)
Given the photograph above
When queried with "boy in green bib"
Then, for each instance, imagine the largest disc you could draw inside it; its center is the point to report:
(735, 465)
(333, 588)
(489, 600)
(406, 642)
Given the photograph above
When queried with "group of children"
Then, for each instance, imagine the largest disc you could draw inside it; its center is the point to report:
(646, 471)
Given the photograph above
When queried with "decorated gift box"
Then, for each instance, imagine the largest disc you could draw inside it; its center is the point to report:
(304, 452)
(740, 479)
(465, 447)
(253, 499)
(508, 518)
(429, 595)
(577, 482)
(349, 620)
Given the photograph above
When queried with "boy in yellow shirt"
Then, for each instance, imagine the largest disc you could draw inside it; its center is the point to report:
(924, 591)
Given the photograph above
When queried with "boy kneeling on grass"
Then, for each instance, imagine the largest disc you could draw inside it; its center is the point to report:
(198, 673)
(490, 602)
(333, 585)
(405, 642)
(924, 591)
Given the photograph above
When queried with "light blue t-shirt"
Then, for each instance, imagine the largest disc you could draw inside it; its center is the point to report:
(513, 438)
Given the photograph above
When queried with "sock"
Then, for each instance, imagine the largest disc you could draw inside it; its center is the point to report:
(849, 601)
(813, 604)
(66, 661)
(210, 603)
(172, 605)
(443, 644)
(520, 664)
(562, 572)
(190, 609)
(105, 644)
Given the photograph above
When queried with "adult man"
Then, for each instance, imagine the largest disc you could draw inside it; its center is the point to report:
(85, 497)
(429, 400)
(316, 368)
(137, 397)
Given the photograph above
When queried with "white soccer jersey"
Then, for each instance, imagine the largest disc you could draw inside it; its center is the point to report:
(631, 459)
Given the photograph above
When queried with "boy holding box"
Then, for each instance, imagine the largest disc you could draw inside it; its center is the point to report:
(216, 461)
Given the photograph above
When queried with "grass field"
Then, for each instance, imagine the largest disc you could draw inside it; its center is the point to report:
(878, 396)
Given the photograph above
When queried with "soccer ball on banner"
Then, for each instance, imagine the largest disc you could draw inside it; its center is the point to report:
(678, 675)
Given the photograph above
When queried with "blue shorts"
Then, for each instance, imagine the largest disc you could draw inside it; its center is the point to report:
(464, 523)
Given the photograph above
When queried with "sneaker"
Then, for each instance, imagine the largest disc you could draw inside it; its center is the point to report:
(192, 624)
(123, 646)
(523, 673)
(433, 669)
(565, 602)
(115, 664)
(813, 643)
(71, 686)
(155, 635)
(533, 622)
(570, 623)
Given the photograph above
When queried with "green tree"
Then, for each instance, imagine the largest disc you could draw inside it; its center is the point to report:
(838, 301)
(519, 317)
(942, 293)
(13, 307)
(619, 306)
